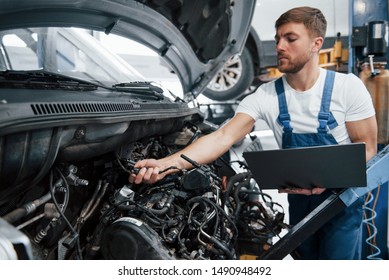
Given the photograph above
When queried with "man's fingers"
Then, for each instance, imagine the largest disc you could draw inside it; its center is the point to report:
(145, 175)
(318, 190)
(140, 175)
(296, 191)
(131, 178)
(288, 190)
(301, 191)
(155, 175)
(148, 173)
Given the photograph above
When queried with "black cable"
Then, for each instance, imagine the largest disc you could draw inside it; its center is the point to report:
(265, 219)
(66, 193)
(223, 212)
(61, 212)
(213, 239)
(267, 202)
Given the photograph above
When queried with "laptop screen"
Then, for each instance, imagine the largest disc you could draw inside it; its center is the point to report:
(332, 166)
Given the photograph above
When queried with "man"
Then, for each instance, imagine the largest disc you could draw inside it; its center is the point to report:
(308, 106)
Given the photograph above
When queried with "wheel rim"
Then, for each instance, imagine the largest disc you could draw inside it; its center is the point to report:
(228, 76)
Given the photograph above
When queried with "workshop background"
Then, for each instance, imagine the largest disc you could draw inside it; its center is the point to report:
(369, 47)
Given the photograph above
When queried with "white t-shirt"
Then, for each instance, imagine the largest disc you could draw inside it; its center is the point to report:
(350, 102)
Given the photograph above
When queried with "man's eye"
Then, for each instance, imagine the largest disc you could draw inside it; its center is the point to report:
(291, 40)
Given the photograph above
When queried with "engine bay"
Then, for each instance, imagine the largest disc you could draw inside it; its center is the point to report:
(88, 209)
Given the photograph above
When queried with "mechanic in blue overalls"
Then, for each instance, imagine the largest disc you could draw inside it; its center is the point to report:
(307, 106)
(331, 241)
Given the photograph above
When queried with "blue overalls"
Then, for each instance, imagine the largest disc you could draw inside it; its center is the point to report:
(340, 238)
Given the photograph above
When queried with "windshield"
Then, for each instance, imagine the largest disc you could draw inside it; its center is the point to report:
(67, 51)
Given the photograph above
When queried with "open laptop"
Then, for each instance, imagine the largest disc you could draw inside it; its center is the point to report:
(332, 166)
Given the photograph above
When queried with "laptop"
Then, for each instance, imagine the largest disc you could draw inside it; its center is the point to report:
(332, 166)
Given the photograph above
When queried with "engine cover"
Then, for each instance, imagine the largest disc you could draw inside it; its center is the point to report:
(131, 239)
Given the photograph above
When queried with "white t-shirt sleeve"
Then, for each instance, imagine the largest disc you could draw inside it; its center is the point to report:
(249, 105)
(262, 104)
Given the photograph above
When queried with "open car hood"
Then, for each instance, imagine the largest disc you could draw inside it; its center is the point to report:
(194, 37)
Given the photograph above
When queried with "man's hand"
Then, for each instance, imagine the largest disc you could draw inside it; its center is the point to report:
(148, 172)
(151, 170)
(311, 191)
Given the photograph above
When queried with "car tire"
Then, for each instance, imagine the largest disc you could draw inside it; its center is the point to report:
(233, 79)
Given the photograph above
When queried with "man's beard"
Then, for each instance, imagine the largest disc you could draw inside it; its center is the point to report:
(295, 66)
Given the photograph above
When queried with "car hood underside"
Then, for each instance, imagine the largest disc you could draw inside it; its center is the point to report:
(195, 37)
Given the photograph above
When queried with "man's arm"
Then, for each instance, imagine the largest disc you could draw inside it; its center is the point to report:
(364, 131)
(203, 150)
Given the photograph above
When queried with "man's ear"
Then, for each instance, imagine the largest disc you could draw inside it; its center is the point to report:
(317, 44)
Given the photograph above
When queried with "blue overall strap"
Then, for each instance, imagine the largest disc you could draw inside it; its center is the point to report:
(283, 117)
(325, 116)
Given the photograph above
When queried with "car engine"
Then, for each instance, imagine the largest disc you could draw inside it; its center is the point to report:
(89, 210)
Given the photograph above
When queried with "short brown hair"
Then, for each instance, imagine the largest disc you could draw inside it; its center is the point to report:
(312, 18)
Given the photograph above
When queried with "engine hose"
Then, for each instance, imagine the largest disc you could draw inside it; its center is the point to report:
(97, 202)
(159, 211)
(146, 211)
(166, 207)
(232, 181)
(215, 251)
(153, 221)
(26, 209)
(86, 210)
(222, 247)
(15, 215)
(237, 199)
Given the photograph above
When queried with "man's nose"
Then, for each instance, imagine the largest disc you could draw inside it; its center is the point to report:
(280, 45)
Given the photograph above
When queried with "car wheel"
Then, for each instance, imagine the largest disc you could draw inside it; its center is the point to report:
(233, 79)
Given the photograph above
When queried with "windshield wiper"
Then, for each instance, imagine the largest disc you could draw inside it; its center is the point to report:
(141, 88)
(43, 80)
